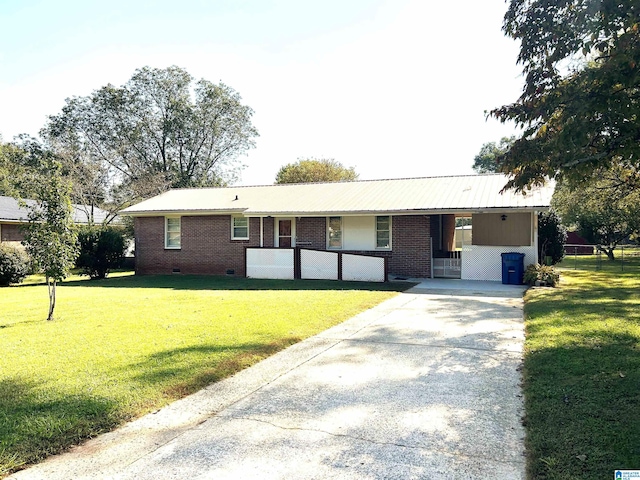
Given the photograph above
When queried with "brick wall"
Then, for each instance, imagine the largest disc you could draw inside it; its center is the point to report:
(268, 231)
(410, 254)
(410, 243)
(207, 248)
(311, 232)
(10, 232)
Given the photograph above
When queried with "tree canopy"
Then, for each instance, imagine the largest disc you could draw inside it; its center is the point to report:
(18, 159)
(161, 129)
(486, 161)
(604, 212)
(580, 105)
(315, 170)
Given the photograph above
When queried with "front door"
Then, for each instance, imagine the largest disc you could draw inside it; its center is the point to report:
(284, 233)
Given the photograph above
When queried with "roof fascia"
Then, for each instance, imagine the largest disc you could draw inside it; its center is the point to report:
(396, 212)
(183, 213)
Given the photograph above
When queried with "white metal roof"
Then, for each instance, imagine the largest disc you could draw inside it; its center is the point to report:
(471, 193)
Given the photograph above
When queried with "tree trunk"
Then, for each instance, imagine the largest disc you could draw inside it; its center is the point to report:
(51, 285)
(610, 255)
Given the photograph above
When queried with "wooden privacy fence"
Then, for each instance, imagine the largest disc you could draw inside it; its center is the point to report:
(306, 263)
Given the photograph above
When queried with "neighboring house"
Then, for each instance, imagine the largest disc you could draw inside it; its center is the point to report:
(411, 222)
(13, 216)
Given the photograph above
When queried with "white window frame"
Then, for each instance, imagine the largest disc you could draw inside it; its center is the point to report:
(375, 227)
(329, 246)
(233, 227)
(166, 233)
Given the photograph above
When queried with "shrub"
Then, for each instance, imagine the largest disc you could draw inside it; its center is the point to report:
(101, 250)
(14, 265)
(552, 236)
(541, 273)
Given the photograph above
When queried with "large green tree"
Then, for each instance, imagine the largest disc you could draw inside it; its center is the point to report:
(17, 159)
(312, 170)
(50, 237)
(161, 129)
(604, 212)
(580, 105)
(486, 161)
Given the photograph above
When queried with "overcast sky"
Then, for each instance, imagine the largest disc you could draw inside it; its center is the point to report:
(395, 88)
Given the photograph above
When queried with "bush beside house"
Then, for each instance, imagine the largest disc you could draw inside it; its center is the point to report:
(101, 250)
(14, 265)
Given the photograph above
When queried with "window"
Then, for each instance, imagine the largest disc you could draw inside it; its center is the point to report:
(240, 228)
(172, 232)
(335, 232)
(383, 232)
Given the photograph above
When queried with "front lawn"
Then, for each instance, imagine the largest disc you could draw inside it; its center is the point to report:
(124, 346)
(582, 375)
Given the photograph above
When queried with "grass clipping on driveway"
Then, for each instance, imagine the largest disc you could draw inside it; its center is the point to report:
(122, 347)
(582, 376)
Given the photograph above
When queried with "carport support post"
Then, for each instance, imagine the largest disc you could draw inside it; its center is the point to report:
(339, 265)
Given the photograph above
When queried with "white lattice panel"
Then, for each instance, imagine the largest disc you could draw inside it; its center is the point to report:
(363, 269)
(481, 262)
(318, 265)
(276, 263)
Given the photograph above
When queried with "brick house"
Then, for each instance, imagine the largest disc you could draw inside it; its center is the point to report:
(13, 217)
(412, 222)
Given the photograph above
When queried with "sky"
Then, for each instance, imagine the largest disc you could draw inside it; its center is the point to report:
(393, 88)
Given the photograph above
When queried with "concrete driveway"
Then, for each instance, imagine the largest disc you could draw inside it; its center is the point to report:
(426, 385)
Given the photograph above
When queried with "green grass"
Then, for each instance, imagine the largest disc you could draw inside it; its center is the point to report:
(582, 375)
(627, 259)
(124, 346)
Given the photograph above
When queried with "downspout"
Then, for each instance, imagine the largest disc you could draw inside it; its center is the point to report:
(431, 253)
(261, 232)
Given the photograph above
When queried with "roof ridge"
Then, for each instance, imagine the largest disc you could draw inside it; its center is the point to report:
(340, 182)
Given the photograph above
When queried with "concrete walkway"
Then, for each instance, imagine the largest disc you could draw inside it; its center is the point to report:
(426, 385)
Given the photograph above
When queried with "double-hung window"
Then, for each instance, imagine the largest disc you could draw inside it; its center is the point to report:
(172, 229)
(335, 232)
(383, 232)
(240, 228)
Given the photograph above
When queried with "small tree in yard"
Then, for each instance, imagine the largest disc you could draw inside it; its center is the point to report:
(50, 236)
(101, 250)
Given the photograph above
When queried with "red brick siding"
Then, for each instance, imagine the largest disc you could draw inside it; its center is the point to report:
(311, 232)
(205, 246)
(410, 243)
(410, 254)
(268, 231)
(11, 232)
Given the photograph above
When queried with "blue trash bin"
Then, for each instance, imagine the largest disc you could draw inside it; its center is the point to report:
(512, 268)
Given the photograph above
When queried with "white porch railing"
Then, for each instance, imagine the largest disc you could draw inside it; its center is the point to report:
(304, 263)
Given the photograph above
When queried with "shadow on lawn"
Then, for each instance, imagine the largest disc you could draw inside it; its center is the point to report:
(188, 365)
(35, 424)
(582, 409)
(211, 282)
